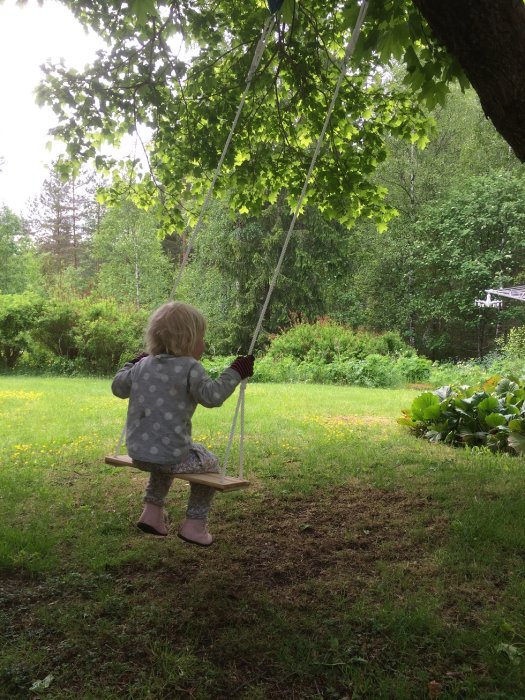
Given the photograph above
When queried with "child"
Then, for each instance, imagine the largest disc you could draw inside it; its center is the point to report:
(164, 387)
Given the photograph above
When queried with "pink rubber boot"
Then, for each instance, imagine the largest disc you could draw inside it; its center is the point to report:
(196, 532)
(153, 520)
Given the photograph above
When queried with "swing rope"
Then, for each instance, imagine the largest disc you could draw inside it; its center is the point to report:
(257, 56)
(242, 390)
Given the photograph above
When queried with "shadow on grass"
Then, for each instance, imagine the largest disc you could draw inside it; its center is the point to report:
(337, 594)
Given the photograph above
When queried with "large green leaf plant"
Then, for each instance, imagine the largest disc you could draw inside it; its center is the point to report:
(490, 415)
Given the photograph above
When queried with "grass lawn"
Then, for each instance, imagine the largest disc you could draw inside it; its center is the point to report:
(362, 563)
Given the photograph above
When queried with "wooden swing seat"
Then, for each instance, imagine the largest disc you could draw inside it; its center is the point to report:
(216, 481)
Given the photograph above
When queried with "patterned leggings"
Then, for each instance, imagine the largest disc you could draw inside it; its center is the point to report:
(200, 460)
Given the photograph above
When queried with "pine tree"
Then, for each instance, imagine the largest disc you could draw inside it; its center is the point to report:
(62, 221)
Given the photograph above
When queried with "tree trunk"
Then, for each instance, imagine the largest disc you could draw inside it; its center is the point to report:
(487, 37)
(137, 280)
(74, 221)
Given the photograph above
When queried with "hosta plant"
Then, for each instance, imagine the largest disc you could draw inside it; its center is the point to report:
(491, 414)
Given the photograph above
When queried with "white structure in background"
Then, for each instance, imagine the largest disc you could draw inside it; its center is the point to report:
(516, 293)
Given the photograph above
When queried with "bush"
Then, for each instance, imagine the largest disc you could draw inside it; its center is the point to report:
(56, 329)
(328, 341)
(18, 315)
(328, 353)
(513, 347)
(456, 373)
(108, 335)
(82, 337)
(372, 371)
(490, 415)
(96, 337)
(40, 360)
(414, 368)
(512, 352)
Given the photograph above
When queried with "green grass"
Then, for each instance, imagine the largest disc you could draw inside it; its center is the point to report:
(362, 563)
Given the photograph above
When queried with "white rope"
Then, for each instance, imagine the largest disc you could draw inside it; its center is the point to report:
(259, 50)
(257, 56)
(348, 55)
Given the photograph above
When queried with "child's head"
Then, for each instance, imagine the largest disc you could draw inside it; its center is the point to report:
(175, 328)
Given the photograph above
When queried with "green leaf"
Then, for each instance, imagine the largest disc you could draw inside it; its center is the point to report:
(506, 386)
(517, 442)
(512, 653)
(42, 684)
(443, 392)
(287, 9)
(426, 407)
(488, 405)
(495, 419)
(405, 420)
(143, 9)
(469, 436)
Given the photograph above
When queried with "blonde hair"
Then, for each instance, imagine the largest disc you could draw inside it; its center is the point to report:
(174, 328)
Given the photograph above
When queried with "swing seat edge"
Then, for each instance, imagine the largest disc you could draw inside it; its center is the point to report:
(216, 481)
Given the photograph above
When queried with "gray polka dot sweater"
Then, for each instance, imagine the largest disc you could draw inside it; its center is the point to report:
(163, 393)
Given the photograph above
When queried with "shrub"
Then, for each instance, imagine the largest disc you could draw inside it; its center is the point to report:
(108, 335)
(414, 368)
(328, 341)
(512, 350)
(81, 336)
(328, 353)
(371, 371)
(490, 415)
(457, 373)
(18, 315)
(40, 360)
(56, 328)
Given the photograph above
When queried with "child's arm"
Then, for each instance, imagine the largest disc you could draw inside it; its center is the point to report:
(213, 392)
(121, 385)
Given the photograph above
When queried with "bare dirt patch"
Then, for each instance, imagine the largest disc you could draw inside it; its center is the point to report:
(281, 544)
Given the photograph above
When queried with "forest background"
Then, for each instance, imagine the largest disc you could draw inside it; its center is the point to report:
(78, 273)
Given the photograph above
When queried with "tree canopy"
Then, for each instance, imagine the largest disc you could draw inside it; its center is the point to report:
(188, 98)
(179, 66)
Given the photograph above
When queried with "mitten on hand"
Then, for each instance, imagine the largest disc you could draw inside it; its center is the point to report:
(138, 358)
(243, 365)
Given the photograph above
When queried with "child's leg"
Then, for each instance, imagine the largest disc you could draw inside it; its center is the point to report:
(157, 489)
(194, 528)
(199, 461)
(153, 519)
(199, 501)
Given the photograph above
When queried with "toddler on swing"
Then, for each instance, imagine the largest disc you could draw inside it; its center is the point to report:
(164, 387)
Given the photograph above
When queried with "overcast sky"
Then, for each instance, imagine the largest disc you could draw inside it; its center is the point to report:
(28, 36)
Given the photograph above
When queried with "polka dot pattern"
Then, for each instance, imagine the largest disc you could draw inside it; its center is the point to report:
(161, 408)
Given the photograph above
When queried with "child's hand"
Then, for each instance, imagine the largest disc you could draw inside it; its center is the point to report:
(243, 365)
(139, 358)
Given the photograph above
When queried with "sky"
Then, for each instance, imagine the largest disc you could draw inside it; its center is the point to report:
(29, 36)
